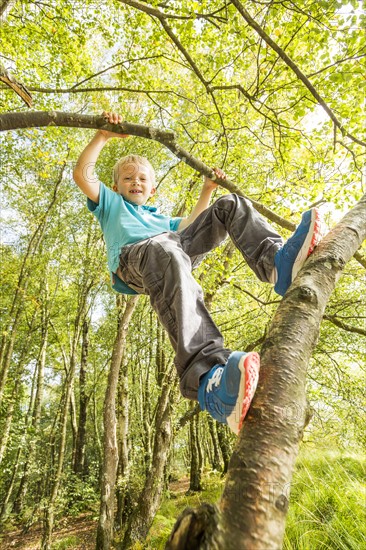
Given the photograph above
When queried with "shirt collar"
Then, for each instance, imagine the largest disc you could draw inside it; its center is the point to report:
(139, 207)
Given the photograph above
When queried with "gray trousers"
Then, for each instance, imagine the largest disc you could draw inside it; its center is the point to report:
(162, 268)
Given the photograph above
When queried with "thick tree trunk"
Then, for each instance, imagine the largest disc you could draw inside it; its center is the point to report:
(110, 458)
(254, 503)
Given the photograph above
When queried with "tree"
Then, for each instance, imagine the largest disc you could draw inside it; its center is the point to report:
(272, 92)
(353, 233)
(254, 503)
(110, 462)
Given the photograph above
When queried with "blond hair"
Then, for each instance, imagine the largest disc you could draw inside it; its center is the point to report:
(132, 159)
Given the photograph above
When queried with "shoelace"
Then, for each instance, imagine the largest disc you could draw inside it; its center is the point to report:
(215, 379)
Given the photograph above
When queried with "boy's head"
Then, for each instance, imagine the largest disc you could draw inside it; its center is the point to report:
(134, 179)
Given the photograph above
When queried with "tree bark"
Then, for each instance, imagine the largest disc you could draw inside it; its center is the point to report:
(110, 449)
(5, 7)
(253, 507)
(79, 458)
(123, 495)
(150, 497)
(50, 510)
(225, 447)
(196, 455)
(216, 459)
(69, 381)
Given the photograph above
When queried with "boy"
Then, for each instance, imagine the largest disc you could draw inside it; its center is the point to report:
(153, 254)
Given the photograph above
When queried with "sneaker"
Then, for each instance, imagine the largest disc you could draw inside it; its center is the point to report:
(291, 257)
(226, 392)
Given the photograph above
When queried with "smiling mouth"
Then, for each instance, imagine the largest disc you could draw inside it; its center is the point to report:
(135, 191)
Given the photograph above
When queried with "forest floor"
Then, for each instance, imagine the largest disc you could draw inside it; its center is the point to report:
(76, 533)
(326, 509)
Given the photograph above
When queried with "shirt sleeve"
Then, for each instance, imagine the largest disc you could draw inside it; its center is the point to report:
(174, 223)
(105, 198)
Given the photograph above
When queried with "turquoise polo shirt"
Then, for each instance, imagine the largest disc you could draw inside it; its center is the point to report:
(124, 223)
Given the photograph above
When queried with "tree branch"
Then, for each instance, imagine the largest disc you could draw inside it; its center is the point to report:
(161, 15)
(18, 87)
(5, 7)
(361, 259)
(75, 90)
(338, 62)
(333, 319)
(183, 420)
(13, 121)
(290, 63)
(37, 119)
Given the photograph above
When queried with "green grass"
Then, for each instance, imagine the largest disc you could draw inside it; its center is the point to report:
(174, 504)
(66, 543)
(327, 505)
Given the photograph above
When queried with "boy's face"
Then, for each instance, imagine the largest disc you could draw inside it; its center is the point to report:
(135, 183)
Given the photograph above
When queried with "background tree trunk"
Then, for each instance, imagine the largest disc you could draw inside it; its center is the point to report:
(225, 446)
(216, 458)
(125, 308)
(30, 448)
(195, 483)
(79, 465)
(150, 497)
(123, 493)
(9, 334)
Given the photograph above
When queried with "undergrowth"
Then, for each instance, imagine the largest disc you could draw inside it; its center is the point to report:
(327, 505)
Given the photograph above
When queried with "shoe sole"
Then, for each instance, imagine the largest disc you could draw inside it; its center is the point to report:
(249, 366)
(313, 238)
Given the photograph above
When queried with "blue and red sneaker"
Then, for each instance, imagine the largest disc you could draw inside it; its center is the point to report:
(291, 257)
(226, 391)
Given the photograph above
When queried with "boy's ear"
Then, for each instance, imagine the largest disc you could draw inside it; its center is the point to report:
(115, 188)
(153, 191)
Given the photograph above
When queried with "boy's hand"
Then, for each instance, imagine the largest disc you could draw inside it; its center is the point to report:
(112, 118)
(204, 199)
(209, 183)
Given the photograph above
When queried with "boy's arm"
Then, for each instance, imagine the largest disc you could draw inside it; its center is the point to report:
(204, 199)
(84, 174)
